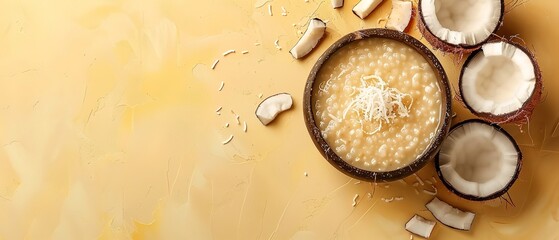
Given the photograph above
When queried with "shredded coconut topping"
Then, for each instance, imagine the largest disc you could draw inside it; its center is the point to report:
(375, 101)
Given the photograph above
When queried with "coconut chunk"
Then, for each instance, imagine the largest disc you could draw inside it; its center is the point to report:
(420, 226)
(400, 16)
(309, 40)
(478, 161)
(269, 109)
(449, 215)
(499, 79)
(337, 3)
(365, 7)
(461, 23)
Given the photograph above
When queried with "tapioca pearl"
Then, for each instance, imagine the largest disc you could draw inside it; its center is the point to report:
(428, 90)
(341, 149)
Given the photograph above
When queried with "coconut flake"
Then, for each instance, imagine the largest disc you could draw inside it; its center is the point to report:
(228, 140)
(449, 215)
(354, 202)
(221, 86)
(364, 7)
(337, 3)
(215, 63)
(228, 52)
(268, 109)
(315, 31)
(420, 226)
(400, 16)
(276, 43)
(270, 10)
(418, 179)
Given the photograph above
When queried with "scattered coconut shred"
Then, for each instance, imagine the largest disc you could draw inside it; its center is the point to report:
(215, 63)
(228, 140)
(228, 52)
(354, 201)
(283, 11)
(276, 43)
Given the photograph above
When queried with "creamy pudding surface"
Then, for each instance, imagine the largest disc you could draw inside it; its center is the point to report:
(377, 103)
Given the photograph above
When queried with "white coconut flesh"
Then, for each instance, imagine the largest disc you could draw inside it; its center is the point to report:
(465, 22)
(365, 7)
(309, 40)
(400, 16)
(420, 226)
(337, 3)
(498, 80)
(449, 215)
(478, 160)
(269, 109)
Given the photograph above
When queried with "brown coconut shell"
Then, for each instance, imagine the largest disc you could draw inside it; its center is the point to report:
(444, 46)
(520, 116)
(496, 194)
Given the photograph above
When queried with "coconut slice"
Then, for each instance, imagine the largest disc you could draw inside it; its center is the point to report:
(458, 25)
(269, 109)
(501, 83)
(365, 7)
(400, 16)
(337, 3)
(309, 40)
(420, 226)
(478, 160)
(450, 216)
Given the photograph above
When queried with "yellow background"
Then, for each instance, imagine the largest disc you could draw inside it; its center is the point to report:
(108, 127)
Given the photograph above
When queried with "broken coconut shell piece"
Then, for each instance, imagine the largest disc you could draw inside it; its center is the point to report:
(459, 26)
(337, 3)
(365, 7)
(478, 160)
(400, 16)
(269, 109)
(450, 216)
(309, 40)
(420, 226)
(501, 83)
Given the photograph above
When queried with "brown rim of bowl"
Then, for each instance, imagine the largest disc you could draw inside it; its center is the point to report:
(444, 46)
(517, 116)
(325, 149)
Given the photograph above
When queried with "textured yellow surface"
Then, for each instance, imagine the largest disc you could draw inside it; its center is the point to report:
(108, 127)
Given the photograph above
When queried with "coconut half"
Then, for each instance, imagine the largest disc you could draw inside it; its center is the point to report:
(457, 25)
(478, 160)
(449, 215)
(400, 15)
(420, 226)
(501, 83)
(315, 31)
(269, 109)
